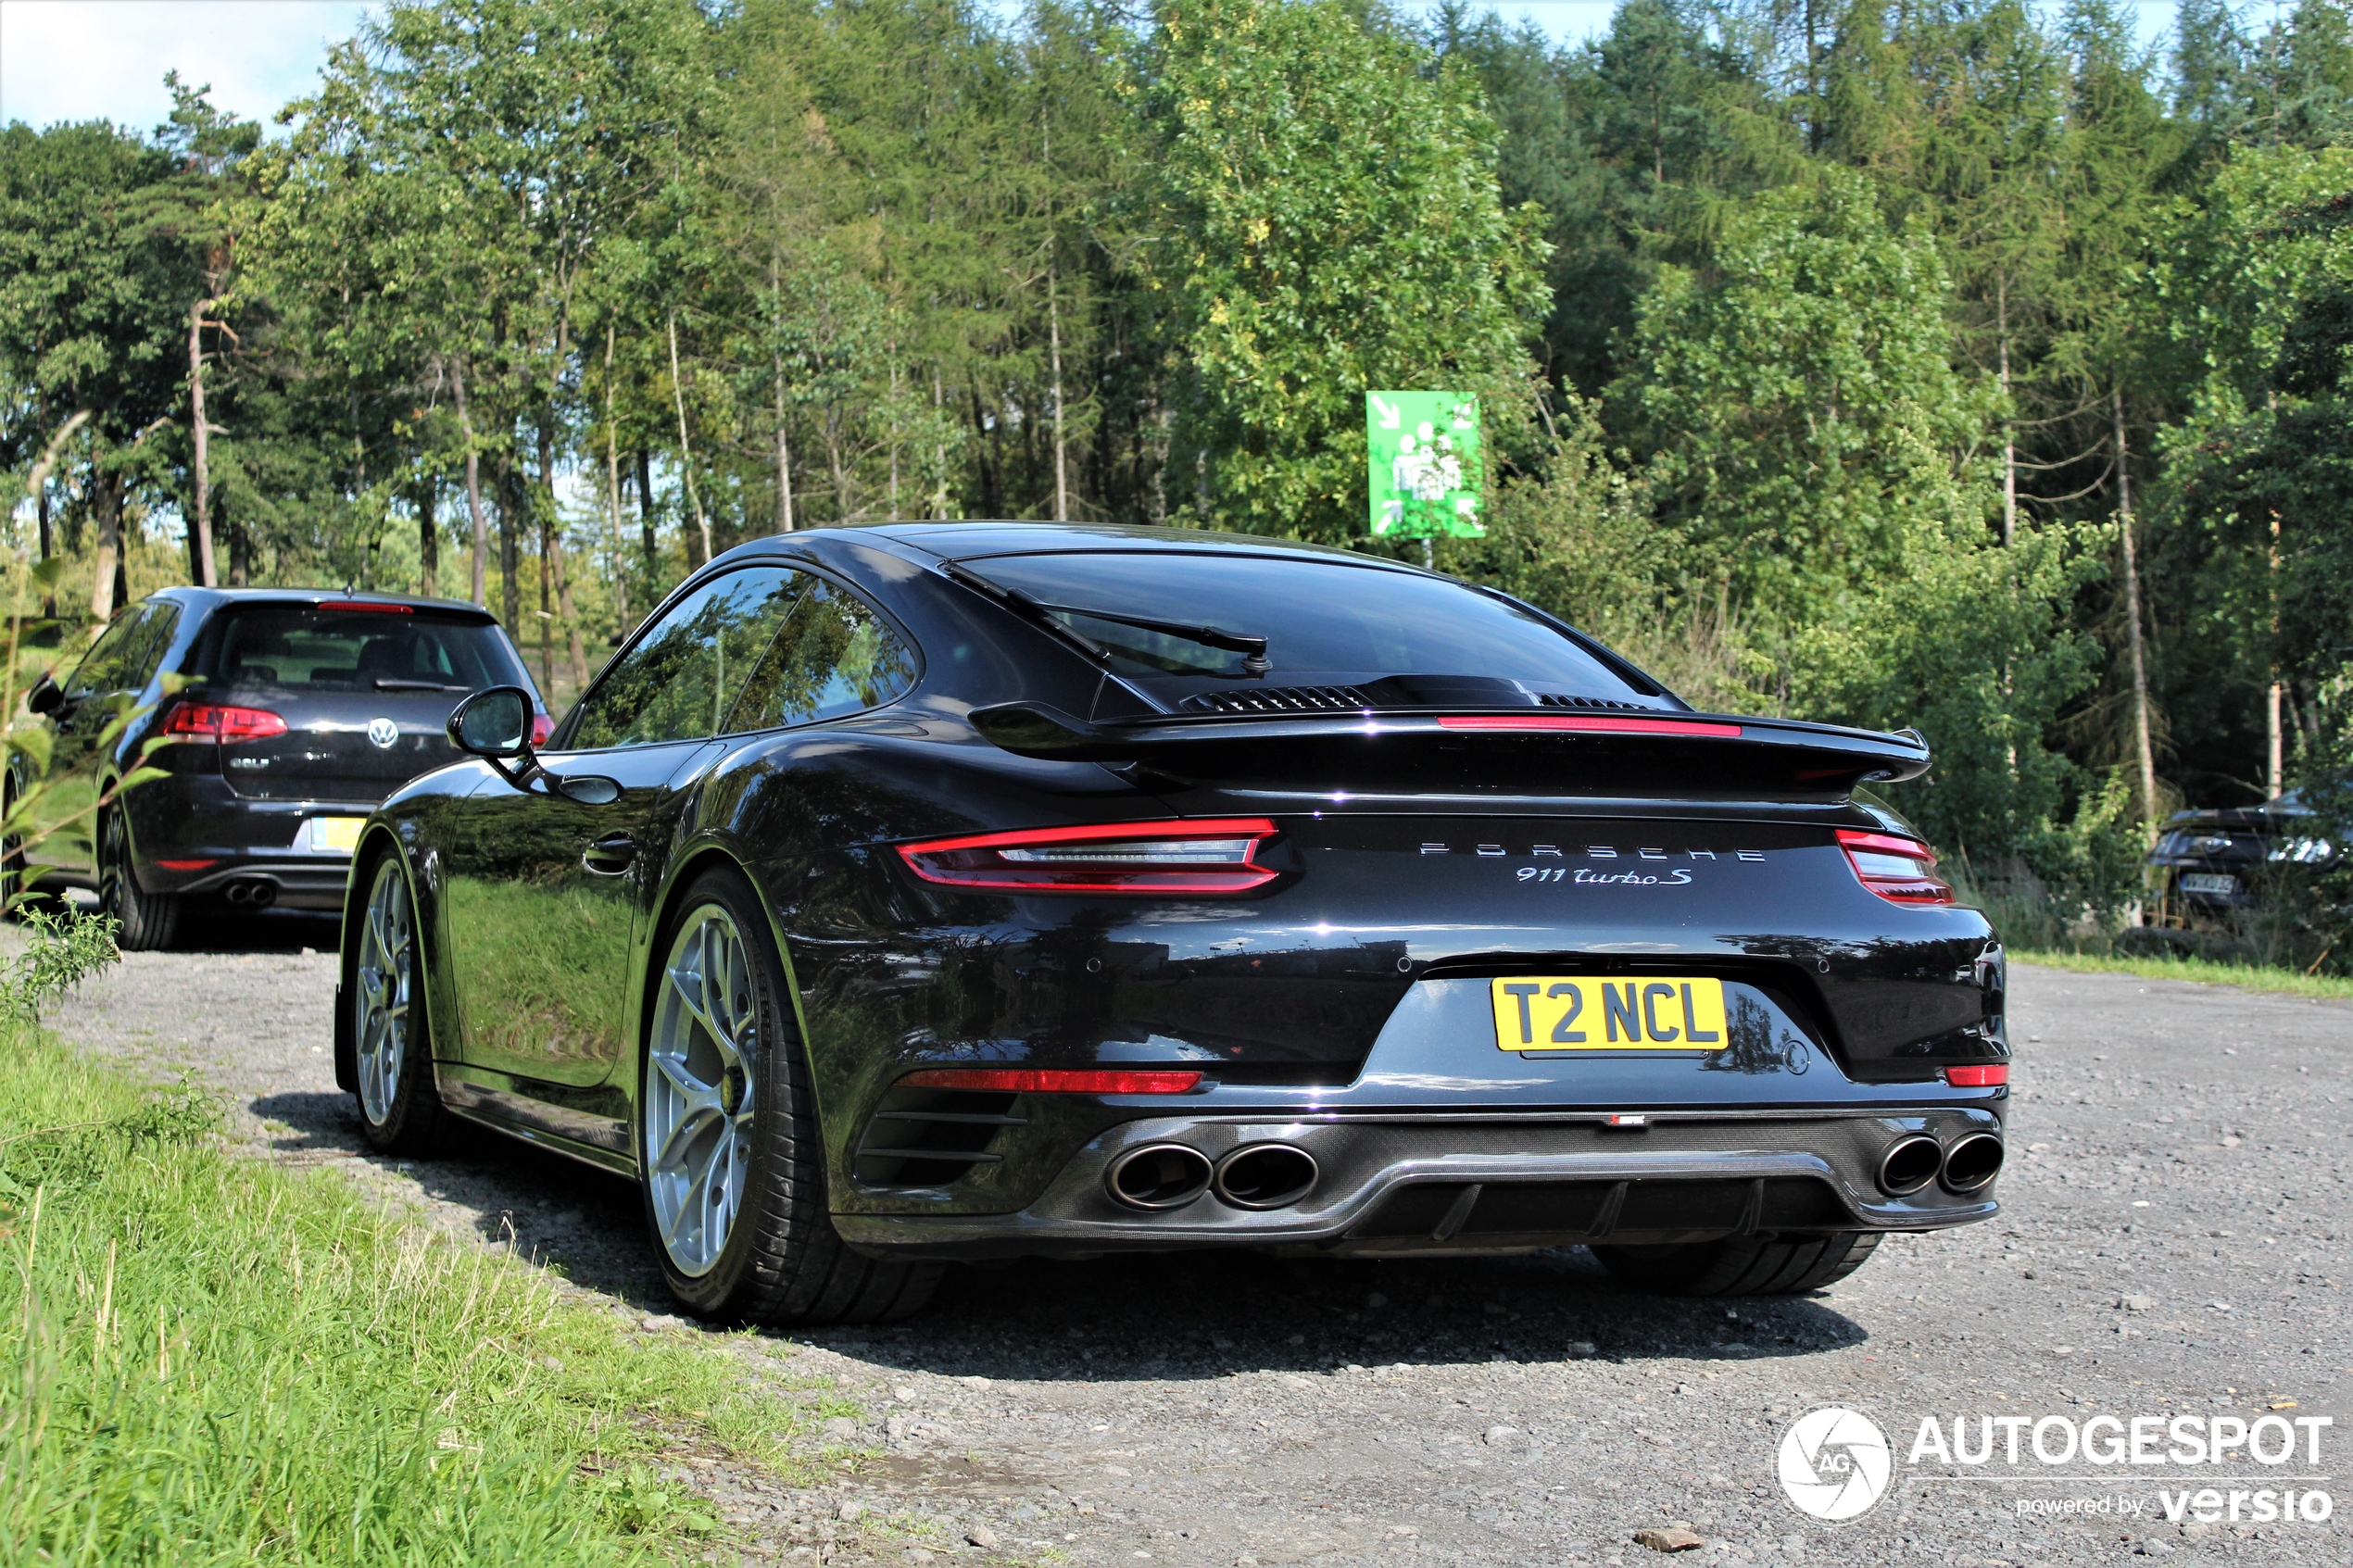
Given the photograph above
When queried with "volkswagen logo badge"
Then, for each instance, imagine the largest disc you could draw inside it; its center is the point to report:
(384, 732)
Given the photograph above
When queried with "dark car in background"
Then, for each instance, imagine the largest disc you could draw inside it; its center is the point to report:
(2211, 862)
(289, 714)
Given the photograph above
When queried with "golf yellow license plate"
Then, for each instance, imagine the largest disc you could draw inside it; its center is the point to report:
(338, 834)
(1572, 1013)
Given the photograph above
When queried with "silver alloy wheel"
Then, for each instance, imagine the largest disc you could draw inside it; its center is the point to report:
(382, 1035)
(700, 1078)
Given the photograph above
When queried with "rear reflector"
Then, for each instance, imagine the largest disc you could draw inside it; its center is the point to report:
(1589, 725)
(1055, 1080)
(1901, 870)
(1205, 857)
(1983, 1076)
(213, 721)
(185, 865)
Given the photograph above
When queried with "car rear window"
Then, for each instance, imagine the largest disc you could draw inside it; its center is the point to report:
(324, 648)
(1326, 623)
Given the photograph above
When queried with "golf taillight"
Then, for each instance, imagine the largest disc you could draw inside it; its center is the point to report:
(1208, 856)
(1056, 1080)
(216, 721)
(1901, 870)
(541, 728)
(1978, 1075)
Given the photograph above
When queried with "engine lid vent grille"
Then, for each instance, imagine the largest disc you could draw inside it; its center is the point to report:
(1279, 700)
(1561, 699)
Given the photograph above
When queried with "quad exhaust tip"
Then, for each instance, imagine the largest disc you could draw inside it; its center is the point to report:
(1266, 1175)
(1908, 1165)
(1160, 1176)
(1971, 1164)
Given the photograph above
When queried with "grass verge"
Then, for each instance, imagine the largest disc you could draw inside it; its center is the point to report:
(205, 1359)
(2287, 982)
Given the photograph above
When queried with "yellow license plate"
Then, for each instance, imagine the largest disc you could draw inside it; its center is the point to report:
(1573, 1013)
(339, 833)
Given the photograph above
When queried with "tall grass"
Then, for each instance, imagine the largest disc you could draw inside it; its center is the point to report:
(207, 1359)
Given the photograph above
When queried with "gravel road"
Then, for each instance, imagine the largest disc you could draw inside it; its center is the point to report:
(2174, 1240)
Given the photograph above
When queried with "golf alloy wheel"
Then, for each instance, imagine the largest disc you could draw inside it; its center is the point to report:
(702, 1070)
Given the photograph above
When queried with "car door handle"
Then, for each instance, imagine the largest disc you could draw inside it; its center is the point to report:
(610, 855)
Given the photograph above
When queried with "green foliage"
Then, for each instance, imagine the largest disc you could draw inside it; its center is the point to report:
(63, 947)
(1332, 227)
(210, 1361)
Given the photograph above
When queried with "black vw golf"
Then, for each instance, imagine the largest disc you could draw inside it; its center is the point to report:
(942, 891)
(288, 715)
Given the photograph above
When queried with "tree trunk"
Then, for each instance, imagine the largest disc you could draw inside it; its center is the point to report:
(833, 459)
(202, 533)
(2009, 431)
(240, 556)
(612, 493)
(2144, 752)
(2275, 775)
(939, 446)
(478, 593)
(428, 542)
(685, 451)
(573, 650)
(1054, 342)
(511, 605)
(645, 515)
(108, 493)
(783, 455)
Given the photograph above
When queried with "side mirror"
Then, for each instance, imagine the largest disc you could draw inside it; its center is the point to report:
(45, 697)
(494, 724)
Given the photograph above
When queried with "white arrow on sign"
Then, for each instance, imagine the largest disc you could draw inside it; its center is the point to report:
(1388, 415)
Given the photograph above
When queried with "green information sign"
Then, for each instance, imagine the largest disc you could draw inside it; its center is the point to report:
(1424, 461)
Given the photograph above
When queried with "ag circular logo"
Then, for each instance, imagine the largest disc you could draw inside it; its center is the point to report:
(1835, 1462)
(384, 732)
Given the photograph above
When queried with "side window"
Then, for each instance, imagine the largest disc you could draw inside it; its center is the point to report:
(834, 657)
(147, 647)
(684, 674)
(102, 667)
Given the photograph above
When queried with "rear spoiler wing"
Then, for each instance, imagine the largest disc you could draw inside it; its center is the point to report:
(1684, 755)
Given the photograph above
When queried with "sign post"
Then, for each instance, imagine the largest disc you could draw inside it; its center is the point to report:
(1425, 463)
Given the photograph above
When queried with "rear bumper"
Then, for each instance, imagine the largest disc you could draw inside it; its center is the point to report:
(228, 845)
(1391, 1185)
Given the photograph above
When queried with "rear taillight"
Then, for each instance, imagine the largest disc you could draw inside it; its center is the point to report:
(214, 721)
(541, 728)
(1055, 1080)
(1210, 856)
(1901, 870)
(1979, 1075)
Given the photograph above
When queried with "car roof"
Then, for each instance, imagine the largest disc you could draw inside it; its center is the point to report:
(975, 540)
(214, 598)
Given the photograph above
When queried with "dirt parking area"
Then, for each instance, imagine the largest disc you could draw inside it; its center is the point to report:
(2174, 1243)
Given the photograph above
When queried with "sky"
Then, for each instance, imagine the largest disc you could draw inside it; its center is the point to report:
(104, 60)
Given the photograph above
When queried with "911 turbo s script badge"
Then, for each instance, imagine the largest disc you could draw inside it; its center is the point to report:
(384, 733)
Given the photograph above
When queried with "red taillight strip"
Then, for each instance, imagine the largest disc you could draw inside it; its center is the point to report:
(1886, 844)
(1590, 725)
(223, 722)
(1055, 1080)
(1190, 827)
(1985, 1076)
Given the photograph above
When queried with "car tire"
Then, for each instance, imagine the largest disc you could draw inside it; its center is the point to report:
(730, 1155)
(390, 1035)
(1741, 1265)
(144, 922)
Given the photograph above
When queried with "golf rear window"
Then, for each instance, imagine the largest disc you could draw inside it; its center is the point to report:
(303, 648)
(1322, 621)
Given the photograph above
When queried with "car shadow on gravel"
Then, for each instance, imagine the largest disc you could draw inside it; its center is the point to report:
(218, 928)
(1208, 1315)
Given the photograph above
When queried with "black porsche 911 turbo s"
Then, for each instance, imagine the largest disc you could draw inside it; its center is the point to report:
(288, 715)
(939, 891)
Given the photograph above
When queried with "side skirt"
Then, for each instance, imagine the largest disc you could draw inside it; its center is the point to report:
(600, 1141)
